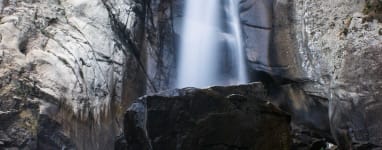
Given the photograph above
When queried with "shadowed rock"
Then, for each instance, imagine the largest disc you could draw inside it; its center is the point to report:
(235, 117)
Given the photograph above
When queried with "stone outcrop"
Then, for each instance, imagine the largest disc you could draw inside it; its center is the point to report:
(334, 52)
(237, 117)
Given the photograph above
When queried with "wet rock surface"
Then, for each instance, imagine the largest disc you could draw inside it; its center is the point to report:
(237, 117)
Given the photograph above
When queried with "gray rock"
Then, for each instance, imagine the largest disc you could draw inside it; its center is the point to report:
(333, 49)
(82, 62)
(60, 59)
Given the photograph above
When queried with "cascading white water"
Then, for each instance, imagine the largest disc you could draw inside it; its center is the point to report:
(200, 63)
(197, 63)
(237, 45)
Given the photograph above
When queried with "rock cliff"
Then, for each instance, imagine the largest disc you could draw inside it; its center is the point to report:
(70, 68)
(334, 50)
(62, 69)
(77, 65)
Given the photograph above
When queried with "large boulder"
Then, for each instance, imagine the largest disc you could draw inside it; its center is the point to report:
(235, 117)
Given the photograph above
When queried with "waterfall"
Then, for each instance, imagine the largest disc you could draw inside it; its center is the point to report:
(209, 53)
(237, 44)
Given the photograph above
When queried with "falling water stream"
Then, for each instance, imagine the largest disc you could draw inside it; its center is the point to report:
(211, 51)
(237, 43)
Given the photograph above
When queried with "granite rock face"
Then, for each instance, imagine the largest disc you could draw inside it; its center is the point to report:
(334, 52)
(149, 29)
(257, 23)
(79, 64)
(237, 117)
(60, 61)
(331, 50)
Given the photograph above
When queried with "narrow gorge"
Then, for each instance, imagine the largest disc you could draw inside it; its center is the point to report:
(190, 74)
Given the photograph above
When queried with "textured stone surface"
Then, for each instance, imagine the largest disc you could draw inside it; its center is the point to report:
(306, 110)
(237, 117)
(51, 135)
(80, 63)
(334, 51)
(150, 30)
(257, 21)
(161, 42)
(61, 59)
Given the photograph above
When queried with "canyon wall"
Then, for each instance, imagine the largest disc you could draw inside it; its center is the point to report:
(70, 68)
(62, 74)
(332, 49)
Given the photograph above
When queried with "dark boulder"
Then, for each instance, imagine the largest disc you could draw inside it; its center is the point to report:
(221, 118)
